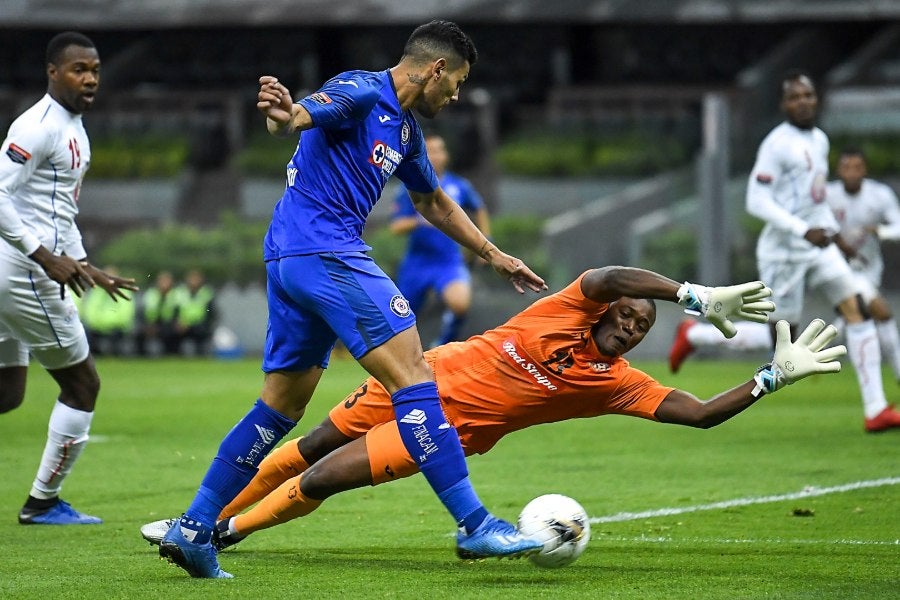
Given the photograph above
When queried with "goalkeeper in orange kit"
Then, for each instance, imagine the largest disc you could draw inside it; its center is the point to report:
(560, 358)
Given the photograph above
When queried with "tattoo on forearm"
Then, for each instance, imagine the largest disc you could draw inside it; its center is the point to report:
(416, 79)
(486, 249)
(447, 218)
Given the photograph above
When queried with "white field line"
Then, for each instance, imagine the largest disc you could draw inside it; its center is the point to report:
(807, 492)
(672, 540)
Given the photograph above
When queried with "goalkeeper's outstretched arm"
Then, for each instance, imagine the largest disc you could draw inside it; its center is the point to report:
(792, 362)
(718, 304)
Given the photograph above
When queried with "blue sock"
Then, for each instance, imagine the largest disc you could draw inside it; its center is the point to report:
(234, 466)
(434, 445)
(451, 324)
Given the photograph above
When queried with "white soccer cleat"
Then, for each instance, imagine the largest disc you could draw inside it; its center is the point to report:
(154, 532)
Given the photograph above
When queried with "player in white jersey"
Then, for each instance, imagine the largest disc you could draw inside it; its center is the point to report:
(44, 158)
(796, 248)
(868, 212)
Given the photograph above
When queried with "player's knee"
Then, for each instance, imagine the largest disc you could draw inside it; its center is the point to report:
(80, 391)
(10, 399)
(854, 309)
(318, 483)
(321, 441)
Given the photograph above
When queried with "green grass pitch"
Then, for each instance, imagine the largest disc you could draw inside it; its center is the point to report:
(158, 425)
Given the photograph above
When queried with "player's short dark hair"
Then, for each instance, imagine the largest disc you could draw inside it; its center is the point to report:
(431, 40)
(852, 151)
(63, 40)
(792, 75)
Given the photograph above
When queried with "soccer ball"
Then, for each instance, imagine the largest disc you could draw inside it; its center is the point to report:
(561, 523)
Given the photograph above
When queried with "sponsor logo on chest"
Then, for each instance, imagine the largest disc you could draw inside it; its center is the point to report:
(385, 157)
(527, 366)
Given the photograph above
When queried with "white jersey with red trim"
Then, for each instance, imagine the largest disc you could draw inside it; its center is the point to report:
(42, 163)
(875, 205)
(787, 191)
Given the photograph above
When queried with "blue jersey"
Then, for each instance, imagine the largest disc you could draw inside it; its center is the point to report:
(360, 138)
(426, 242)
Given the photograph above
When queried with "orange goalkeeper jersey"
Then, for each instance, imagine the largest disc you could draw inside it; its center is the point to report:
(541, 366)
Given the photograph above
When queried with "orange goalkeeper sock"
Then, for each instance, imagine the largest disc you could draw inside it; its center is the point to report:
(282, 505)
(280, 465)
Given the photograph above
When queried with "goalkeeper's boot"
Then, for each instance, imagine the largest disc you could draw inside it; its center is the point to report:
(60, 513)
(495, 537)
(224, 536)
(681, 347)
(889, 418)
(199, 560)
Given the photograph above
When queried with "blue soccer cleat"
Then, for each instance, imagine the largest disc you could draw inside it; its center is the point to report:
(60, 513)
(495, 537)
(199, 560)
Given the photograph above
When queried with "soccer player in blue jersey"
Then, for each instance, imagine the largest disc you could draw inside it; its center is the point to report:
(432, 260)
(358, 130)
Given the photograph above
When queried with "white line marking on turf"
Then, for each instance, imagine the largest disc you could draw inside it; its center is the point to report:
(807, 492)
(667, 540)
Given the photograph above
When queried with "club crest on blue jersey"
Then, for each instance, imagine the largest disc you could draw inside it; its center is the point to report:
(385, 157)
(404, 133)
(399, 306)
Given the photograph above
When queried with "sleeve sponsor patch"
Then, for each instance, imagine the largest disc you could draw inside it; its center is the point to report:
(18, 154)
(320, 98)
(764, 178)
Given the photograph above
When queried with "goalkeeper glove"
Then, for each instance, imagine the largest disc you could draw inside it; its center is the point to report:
(720, 304)
(795, 360)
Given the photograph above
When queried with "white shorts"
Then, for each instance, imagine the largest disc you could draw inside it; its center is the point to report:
(865, 286)
(828, 272)
(33, 318)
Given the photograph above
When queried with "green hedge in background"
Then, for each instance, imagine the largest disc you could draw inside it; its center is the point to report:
(534, 154)
(265, 155)
(232, 252)
(558, 154)
(129, 157)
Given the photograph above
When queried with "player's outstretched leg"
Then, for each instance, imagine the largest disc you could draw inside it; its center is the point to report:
(434, 445)
(199, 560)
(494, 537)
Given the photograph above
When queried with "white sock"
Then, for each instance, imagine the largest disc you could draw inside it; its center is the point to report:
(752, 336)
(865, 354)
(749, 336)
(66, 437)
(890, 344)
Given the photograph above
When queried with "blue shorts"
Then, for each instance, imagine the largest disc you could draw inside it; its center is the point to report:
(416, 278)
(317, 298)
